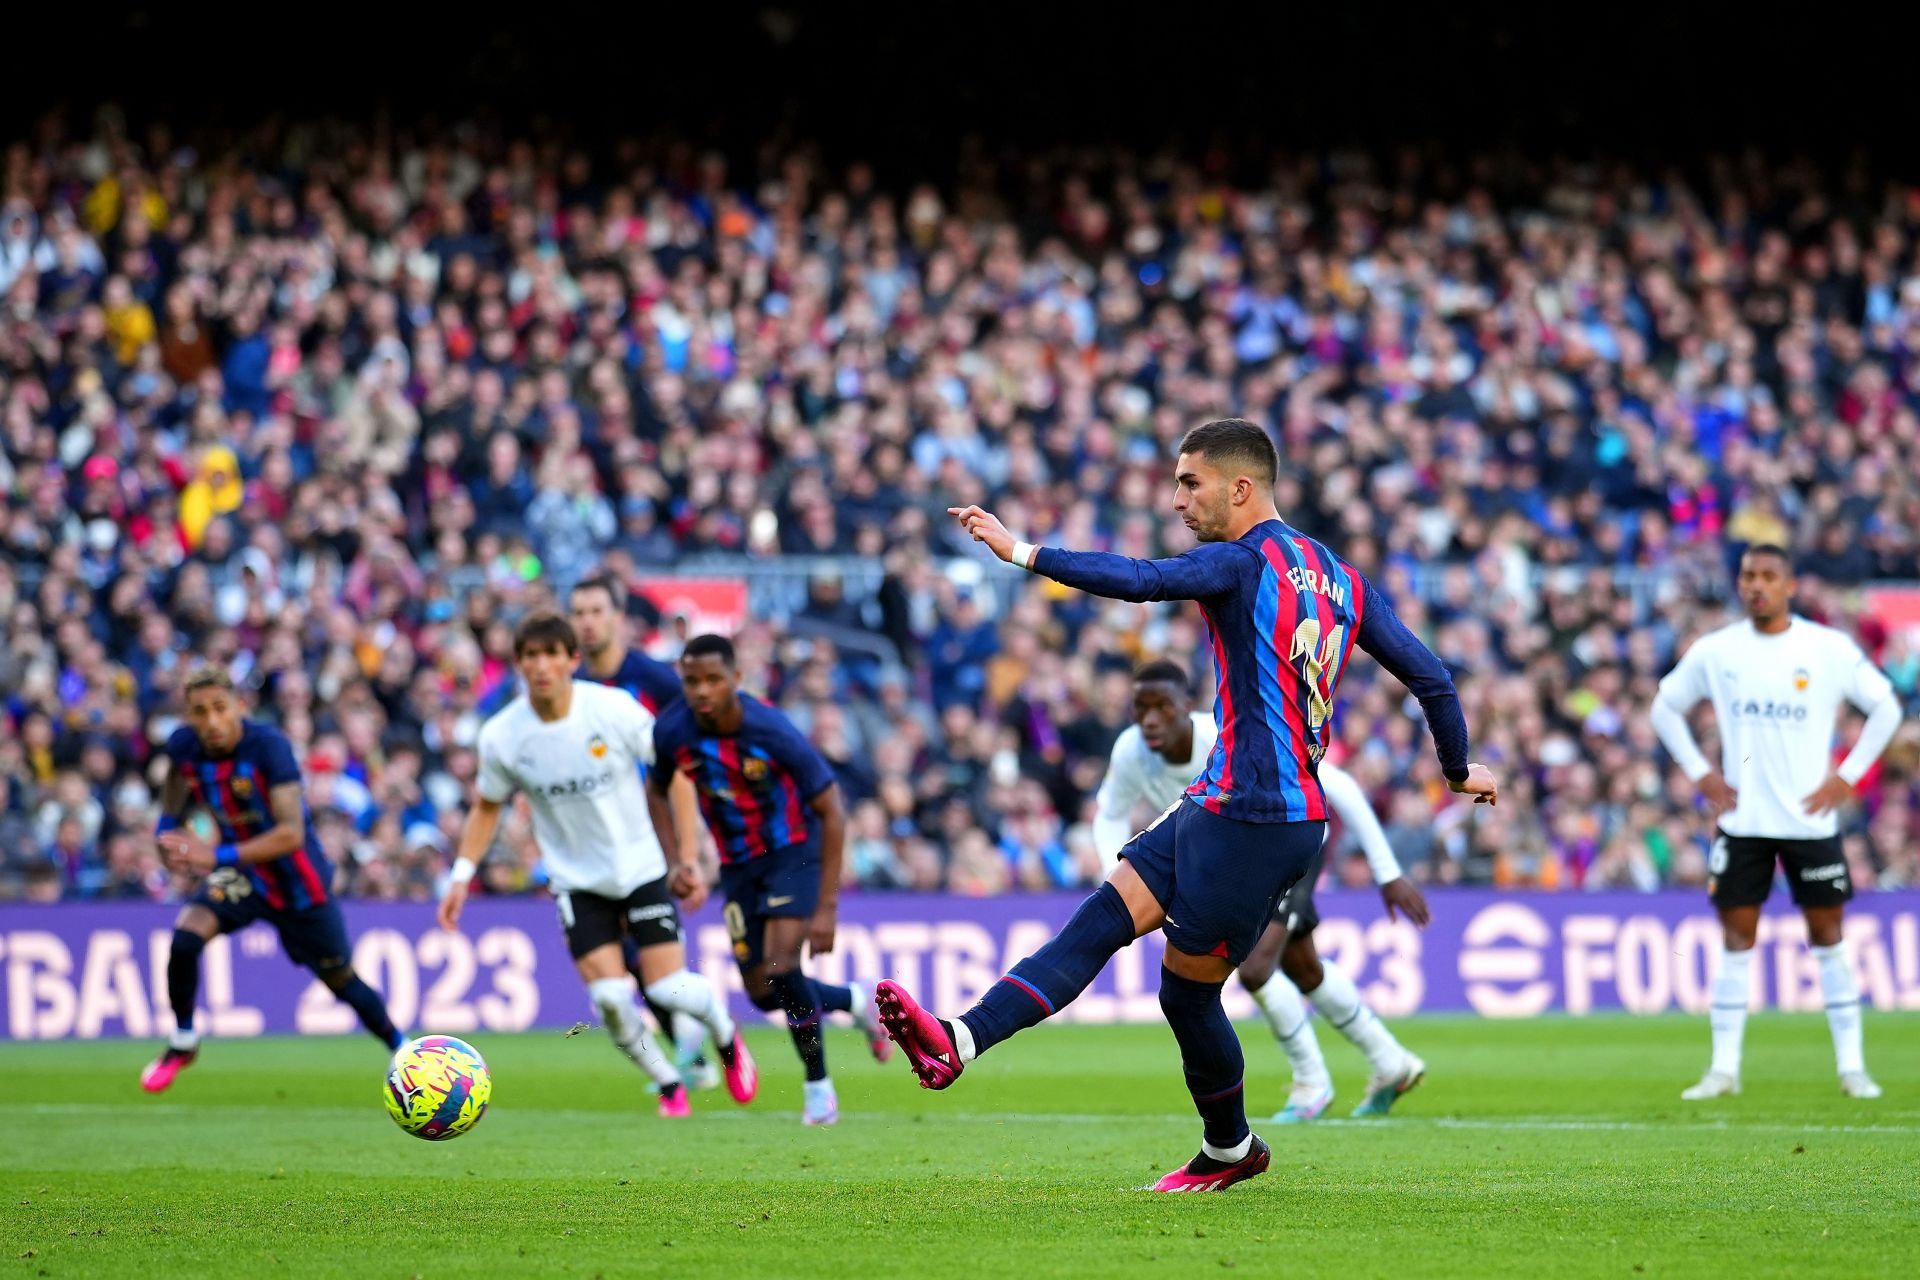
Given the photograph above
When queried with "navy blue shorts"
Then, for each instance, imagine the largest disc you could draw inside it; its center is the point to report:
(773, 886)
(314, 937)
(1219, 879)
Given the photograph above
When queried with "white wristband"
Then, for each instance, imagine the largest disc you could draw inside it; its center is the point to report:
(463, 869)
(1023, 554)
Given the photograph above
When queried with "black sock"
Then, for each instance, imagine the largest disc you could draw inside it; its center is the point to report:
(372, 1010)
(670, 1091)
(832, 997)
(183, 975)
(803, 1020)
(1210, 1053)
(662, 1016)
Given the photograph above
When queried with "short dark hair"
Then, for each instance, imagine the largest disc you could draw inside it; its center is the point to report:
(538, 630)
(604, 581)
(710, 646)
(1773, 549)
(208, 675)
(1231, 443)
(1165, 671)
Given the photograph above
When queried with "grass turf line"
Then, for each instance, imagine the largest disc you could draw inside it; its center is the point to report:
(1557, 1147)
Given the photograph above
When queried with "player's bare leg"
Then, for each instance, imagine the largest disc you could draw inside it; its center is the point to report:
(670, 986)
(1841, 992)
(604, 970)
(1732, 987)
(193, 928)
(1286, 1014)
(1395, 1071)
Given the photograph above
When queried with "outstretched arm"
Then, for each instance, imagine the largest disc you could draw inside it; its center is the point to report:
(1205, 571)
(1383, 635)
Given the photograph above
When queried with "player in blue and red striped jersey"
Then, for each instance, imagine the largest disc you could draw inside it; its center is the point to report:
(597, 608)
(770, 800)
(268, 865)
(1284, 613)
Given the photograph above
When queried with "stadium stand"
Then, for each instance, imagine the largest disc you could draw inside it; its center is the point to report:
(334, 407)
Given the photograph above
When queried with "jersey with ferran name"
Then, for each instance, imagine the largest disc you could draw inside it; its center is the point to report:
(1283, 613)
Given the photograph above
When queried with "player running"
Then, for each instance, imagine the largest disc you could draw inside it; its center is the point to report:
(1153, 763)
(574, 749)
(774, 810)
(1283, 612)
(269, 864)
(597, 607)
(1776, 682)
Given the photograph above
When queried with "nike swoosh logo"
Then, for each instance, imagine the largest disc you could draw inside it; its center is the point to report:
(779, 902)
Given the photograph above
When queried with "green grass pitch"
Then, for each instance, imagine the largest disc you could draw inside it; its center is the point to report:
(1547, 1148)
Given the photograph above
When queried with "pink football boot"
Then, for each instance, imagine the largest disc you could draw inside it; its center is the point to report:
(930, 1050)
(743, 1074)
(161, 1071)
(1204, 1173)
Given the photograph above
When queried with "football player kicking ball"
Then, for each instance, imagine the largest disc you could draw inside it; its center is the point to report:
(1154, 762)
(1776, 682)
(574, 749)
(1284, 611)
(269, 864)
(774, 810)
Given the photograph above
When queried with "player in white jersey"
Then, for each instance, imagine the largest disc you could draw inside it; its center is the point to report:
(574, 750)
(1153, 762)
(1776, 682)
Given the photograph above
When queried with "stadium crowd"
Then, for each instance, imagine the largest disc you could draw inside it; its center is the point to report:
(334, 407)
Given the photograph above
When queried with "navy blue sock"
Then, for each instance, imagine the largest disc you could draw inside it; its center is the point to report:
(803, 1020)
(183, 975)
(1210, 1052)
(1051, 978)
(372, 1010)
(832, 997)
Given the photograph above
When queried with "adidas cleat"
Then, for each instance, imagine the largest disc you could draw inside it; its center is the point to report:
(929, 1048)
(1204, 1173)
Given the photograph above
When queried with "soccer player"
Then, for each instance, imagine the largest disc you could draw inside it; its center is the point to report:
(574, 749)
(269, 864)
(1153, 762)
(1776, 682)
(1284, 612)
(597, 607)
(774, 810)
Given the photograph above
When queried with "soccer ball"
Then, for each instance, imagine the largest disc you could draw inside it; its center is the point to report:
(437, 1087)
